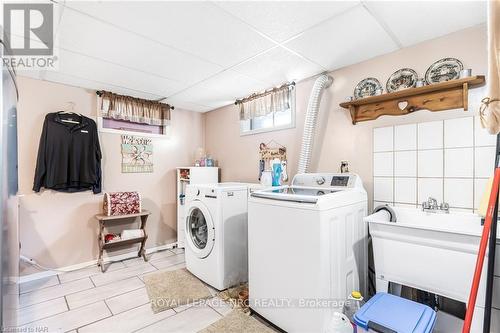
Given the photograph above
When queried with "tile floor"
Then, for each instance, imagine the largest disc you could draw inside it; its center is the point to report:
(87, 300)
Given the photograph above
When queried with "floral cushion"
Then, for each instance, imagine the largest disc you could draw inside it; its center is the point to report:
(122, 203)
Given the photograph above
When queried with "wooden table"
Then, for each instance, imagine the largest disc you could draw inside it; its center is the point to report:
(103, 219)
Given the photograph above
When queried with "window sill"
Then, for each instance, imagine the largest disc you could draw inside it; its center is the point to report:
(265, 130)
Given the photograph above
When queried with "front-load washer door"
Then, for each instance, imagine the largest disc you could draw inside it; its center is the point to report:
(200, 230)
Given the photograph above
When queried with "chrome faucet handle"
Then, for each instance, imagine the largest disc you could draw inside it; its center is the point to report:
(425, 205)
(433, 204)
(444, 206)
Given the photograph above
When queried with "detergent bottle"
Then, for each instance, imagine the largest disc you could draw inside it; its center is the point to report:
(276, 172)
(339, 324)
(353, 303)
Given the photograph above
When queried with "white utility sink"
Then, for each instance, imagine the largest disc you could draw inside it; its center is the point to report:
(435, 252)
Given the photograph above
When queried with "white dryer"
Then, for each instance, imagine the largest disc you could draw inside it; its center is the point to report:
(216, 233)
(307, 249)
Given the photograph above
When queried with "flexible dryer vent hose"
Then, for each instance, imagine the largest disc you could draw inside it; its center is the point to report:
(390, 215)
(322, 82)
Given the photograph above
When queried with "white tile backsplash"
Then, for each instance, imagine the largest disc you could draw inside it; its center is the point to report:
(459, 132)
(378, 203)
(459, 193)
(405, 163)
(383, 189)
(405, 137)
(383, 139)
(405, 190)
(459, 162)
(405, 205)
(430, 135)
(430, 163)
(484, 161)
(481, 135)
(449, 160)
(383, 164)
(430, 187)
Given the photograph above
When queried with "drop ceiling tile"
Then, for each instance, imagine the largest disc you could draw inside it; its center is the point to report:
(200, 28)
(281, 20)
(278, 66)
(221, 89)
(179, 103)
(86, 35)
(346, 39)
(89, 68)
(415, 21)
(63, 78)
(59, 77)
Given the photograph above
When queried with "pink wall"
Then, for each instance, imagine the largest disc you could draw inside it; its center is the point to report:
(337, 139)
(58, 229)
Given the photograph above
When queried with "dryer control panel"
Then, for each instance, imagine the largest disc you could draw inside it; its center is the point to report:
(336, 180)
(340, 181)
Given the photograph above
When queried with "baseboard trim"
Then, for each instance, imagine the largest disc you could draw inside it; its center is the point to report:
(106, 259)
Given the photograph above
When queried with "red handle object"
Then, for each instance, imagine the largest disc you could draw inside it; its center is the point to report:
(482, 252)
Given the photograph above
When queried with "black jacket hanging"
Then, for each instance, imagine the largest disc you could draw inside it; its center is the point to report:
(69, 155)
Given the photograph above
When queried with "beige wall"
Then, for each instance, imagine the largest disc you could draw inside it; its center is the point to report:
(58, 229)
(337, 139)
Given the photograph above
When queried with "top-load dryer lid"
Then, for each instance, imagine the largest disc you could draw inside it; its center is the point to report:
(293, 193)
(309, 188)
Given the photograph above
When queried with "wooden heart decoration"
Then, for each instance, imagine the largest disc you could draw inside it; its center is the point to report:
(402, 105)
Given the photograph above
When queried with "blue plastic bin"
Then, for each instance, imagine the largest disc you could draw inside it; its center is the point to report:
(388, 313)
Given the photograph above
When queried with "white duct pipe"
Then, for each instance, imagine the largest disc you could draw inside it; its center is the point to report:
(322, 82)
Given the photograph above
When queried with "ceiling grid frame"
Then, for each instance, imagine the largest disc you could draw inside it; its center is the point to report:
(383, 24)
(232, 69)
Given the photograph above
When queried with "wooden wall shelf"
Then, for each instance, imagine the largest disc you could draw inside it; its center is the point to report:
(435, 97)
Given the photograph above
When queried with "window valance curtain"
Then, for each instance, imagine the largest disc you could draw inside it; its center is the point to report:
(258, 105)
(136, 110)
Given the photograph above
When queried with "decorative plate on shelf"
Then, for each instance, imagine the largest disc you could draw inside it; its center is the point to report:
(444, 70)
(401, 79)
(367, 87)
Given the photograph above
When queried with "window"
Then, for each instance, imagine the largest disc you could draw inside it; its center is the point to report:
(127, 115)
(128, 126)
(273, 121)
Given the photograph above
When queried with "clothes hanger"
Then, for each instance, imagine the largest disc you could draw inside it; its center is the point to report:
(69, 109)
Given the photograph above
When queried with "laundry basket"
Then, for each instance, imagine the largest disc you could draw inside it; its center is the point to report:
(121, 203)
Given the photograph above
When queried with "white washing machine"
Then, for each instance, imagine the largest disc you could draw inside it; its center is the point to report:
(307, 249)
(216, 233)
